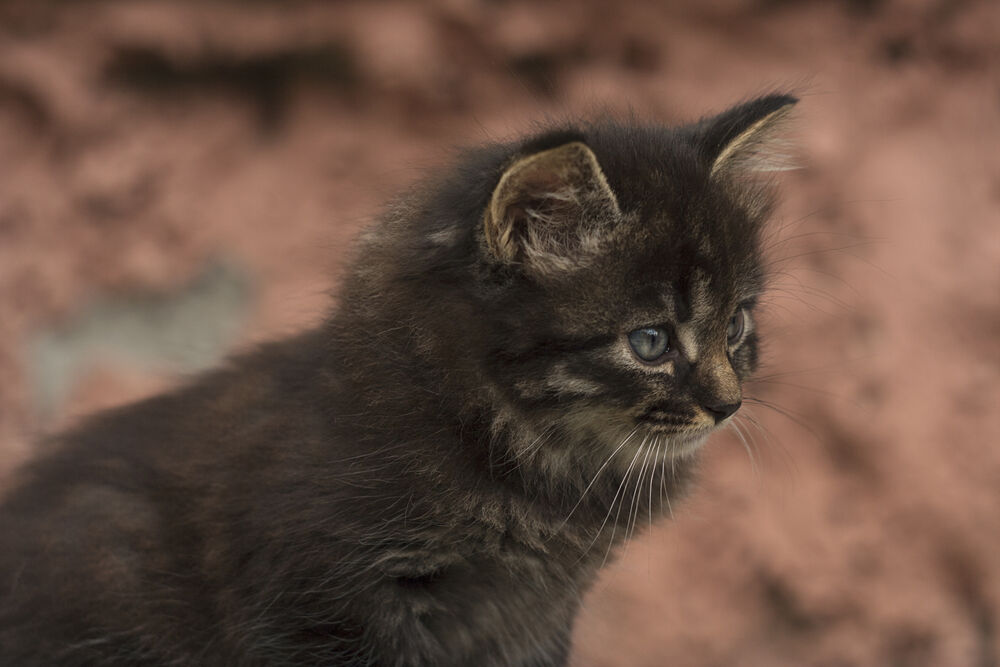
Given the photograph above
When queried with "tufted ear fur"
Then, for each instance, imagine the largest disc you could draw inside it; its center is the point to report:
(550, 210)
(748, 137)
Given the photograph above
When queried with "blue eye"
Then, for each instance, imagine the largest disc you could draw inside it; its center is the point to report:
(735, 328)
(649, 343)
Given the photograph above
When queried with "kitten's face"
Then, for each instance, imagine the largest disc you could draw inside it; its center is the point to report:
(631, 316)
(676, 328)
(654, 334)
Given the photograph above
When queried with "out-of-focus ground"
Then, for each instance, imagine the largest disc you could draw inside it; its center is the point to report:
(179, 180)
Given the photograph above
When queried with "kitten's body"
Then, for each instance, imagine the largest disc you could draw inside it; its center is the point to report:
(435, 475)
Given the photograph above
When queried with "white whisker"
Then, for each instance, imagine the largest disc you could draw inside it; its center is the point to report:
(746, 446)
(664, 490)
(636, 499)
(652, 475)
(614, 526)
(596, 475)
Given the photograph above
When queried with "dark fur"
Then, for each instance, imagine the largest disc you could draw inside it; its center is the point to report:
(401, 486)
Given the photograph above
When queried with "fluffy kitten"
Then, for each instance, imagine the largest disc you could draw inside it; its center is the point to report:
(525, 356)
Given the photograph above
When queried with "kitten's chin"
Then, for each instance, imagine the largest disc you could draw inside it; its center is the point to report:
(677, 440)
(683, 445)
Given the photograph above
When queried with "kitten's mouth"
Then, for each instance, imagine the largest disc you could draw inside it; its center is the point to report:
(685, 435)
(663, 421)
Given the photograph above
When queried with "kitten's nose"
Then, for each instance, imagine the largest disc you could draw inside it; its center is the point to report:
(722, 410)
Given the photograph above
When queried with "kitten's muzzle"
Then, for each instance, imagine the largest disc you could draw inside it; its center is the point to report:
(720, 411)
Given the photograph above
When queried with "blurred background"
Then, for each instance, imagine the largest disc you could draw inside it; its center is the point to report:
(180, 180)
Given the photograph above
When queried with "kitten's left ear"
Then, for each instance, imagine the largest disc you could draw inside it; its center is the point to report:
(550, 209)
(747, 138)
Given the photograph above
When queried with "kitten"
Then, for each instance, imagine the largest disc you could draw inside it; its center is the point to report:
(526, 355)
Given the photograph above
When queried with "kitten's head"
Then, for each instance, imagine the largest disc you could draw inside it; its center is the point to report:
(625, 264)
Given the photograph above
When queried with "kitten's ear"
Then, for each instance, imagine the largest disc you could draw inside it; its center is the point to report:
(549, 208)
(748, 137)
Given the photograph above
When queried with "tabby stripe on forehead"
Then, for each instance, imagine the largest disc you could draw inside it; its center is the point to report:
(680, 304)
(688, 338)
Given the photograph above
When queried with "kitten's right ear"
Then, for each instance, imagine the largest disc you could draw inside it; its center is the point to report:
(549, 208)
(747, 138)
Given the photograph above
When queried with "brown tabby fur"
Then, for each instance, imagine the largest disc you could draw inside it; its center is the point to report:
(436, 474)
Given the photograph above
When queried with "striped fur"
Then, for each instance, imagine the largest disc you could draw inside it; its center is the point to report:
(436, 474)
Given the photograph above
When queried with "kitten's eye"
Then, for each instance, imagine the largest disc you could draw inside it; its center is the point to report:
(649, 343)
(736, 324)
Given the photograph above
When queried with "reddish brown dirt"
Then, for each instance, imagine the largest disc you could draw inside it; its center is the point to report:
(139, 140)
